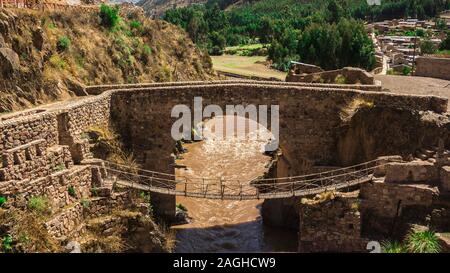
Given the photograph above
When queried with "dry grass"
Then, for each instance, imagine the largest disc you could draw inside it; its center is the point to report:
(27, 231)
(109, 142)
(352, 107)
(170, 235)
(319, 198)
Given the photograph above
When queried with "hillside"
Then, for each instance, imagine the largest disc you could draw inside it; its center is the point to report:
(47, 56)
(157, 8)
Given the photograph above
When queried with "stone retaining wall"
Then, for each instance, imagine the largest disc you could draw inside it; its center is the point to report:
(433, 67)
(331, 226)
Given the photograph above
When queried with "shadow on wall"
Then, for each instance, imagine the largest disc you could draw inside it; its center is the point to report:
(374, 132)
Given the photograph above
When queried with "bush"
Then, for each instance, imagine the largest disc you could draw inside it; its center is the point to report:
(406, 71)
(181, 207)
(146, 50)
(392, 247)
(85, 203)
(427, 47)
(145, 196)
(422, 242)
(71, 191)
(135, 24)
(7, 243)
(445, 44)
(2, 200)
(57, 62)
(59, 167)
(109, 16)
(38, 203)
(63, 43)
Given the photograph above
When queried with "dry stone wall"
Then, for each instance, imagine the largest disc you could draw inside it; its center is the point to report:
(331, 226)
(433, 67)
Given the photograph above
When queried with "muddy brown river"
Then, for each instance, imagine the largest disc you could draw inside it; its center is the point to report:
(223, 225)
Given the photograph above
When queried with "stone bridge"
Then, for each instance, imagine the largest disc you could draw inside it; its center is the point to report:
(43, 149)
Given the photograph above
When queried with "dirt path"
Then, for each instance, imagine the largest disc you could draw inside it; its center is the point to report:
(416, 85)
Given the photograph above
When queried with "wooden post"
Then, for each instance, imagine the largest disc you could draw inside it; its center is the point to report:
(185, 187)
(206, 190)
(240, 193)
(223, 191)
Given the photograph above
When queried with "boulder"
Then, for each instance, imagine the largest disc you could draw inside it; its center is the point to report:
(78, 88)
(445, 178)
(38, 38)
(2, 41)
(9, 60)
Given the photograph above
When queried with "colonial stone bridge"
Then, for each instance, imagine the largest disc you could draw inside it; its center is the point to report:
(44, 151)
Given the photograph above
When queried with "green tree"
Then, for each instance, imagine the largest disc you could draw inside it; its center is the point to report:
(427, 47)
(445, 44)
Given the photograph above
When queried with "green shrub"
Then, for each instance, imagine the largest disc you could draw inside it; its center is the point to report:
(2, 200)
(406, 71)
(94, 191)
(57, 62)
(135, 24)
(85, 203)
(71, 191)
(392, 247)
(146, 50)
(38, 203)
(59, 167)
(63, 43)
(7, 243)
(181, 207)
(144, 196)
(109, 16)
(422, 242)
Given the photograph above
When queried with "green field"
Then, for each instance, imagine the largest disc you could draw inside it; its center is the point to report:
(246, 66)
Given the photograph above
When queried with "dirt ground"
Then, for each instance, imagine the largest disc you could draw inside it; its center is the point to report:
(416, 85)
(247, 66)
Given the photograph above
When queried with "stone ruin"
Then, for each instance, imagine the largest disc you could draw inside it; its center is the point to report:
(301, 72)
(44, 151)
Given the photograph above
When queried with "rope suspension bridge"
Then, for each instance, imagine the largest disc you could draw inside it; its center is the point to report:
(259, 188)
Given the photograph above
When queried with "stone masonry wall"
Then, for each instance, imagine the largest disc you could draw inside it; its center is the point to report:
(331, 226)
(433, 67)
(386, 207)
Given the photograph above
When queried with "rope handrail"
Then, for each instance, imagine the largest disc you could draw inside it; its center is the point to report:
(306, 185)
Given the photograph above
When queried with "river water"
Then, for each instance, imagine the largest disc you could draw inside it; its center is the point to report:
(223, 225)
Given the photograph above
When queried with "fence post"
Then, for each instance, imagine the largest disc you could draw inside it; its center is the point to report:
(223, 191)
(185, 187)
(240, 193)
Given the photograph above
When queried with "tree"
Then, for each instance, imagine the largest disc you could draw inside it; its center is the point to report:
(334, 12)
(445, 44)
(427, 47)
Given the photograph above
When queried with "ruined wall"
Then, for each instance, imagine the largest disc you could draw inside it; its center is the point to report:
(375, 131)
(387, 208)
(433, 67)
(349, 74)
(331, 226)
